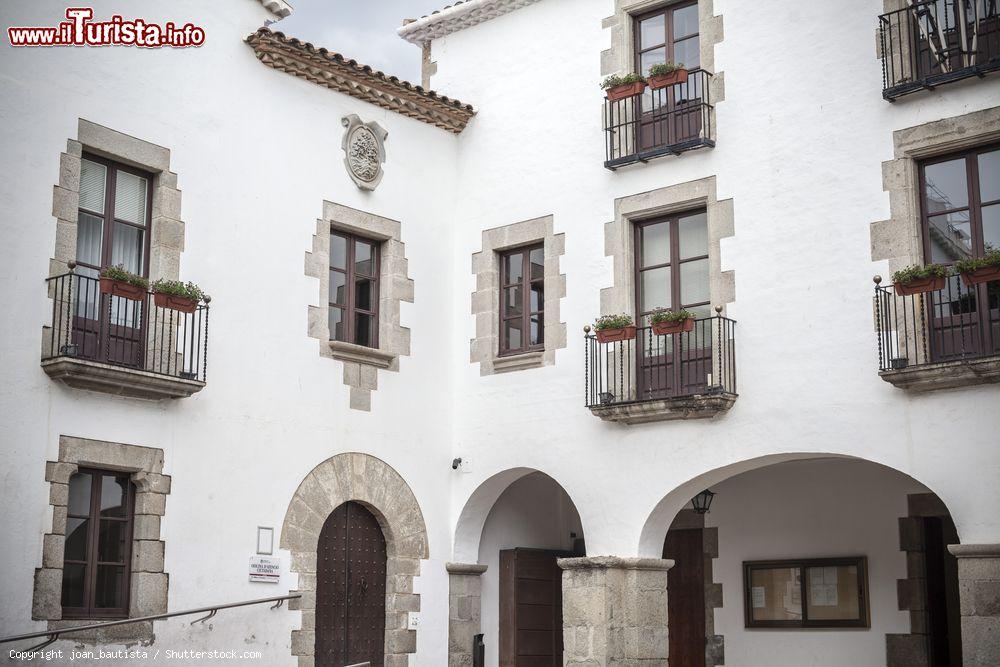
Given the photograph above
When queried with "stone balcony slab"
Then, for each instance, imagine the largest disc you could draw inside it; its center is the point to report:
(118, 380)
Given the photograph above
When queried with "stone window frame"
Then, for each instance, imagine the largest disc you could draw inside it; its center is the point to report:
(361, 364)
(367, 480)
(149, 582)
(620, 58)
(484, 349)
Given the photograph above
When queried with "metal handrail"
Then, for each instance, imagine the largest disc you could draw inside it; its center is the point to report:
(53, 635)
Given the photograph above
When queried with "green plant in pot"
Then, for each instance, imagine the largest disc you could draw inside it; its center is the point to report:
(671, 321)
(119, 281)
(983, 269)
(618, 87)
(614, 328)
(666, 74)
(174, 294)
(920, 279)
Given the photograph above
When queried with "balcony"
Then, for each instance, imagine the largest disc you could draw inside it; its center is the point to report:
(937, 42)
(662, 377)
(115, 345)
(942, 339)
(655, 123)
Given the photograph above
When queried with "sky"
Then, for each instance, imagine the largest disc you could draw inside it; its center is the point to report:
(361, 29)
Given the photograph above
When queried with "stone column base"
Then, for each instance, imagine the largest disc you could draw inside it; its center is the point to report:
(615, 611)
(465, 590)
(979, 590)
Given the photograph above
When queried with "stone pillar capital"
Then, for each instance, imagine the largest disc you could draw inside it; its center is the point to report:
(974, 550)
(614, 563)
(470, 569)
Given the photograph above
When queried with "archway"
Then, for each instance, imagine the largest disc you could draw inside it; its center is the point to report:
(379, 489)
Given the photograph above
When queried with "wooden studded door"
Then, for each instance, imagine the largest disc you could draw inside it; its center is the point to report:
(350, 589)
(686, 597)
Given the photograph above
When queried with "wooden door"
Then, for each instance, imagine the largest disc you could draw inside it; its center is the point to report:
(944, 621)
(350, 589)
(686, 597)
(531, 608)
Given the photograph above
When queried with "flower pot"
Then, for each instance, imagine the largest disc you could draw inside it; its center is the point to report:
(123, 289)
(681, 326)
(983, 275)
(174, 302)
(672, 79)
(626, 90)
(920, 286)
(615, 335)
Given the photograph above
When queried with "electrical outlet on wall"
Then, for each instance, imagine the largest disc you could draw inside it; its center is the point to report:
(413, 621)
(466, 466)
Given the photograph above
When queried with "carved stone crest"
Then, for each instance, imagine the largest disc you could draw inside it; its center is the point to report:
(364, 151)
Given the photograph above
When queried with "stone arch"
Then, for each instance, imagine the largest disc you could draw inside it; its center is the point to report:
(376, 485)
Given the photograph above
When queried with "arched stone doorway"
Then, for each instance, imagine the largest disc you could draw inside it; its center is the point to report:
(381, 491)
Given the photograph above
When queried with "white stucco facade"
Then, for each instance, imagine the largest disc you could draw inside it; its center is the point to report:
(802, 133)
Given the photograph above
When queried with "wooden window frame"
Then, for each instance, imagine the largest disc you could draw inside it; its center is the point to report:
(349, 308)
(803, 564)
(675, 263)
(526, 312)
(89, 610)
(668, 24)
(974, 206)
(108, 217)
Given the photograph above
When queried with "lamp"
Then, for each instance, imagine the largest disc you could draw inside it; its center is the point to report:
(702, 502)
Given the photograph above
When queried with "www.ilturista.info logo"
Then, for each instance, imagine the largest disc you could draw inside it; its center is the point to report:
(79, 30)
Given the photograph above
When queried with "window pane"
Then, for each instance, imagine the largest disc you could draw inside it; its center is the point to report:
(111, 541)
(113, 495)
(989, 176)
(652, 31)
(951, 237)
(656, 289)
(514, 271)
(364, 294)
(694, 281)
(363, 330)
(337, 324)
(946, 186)
(130, 197)
(693, 232)
(512, 301)
(537, 259)
(776, 594)
(338, 252)
(832, 593)
(72, 589)
(79, 494)
(127, 247)
(655, 241)
(338, 291)
(686, 21)
(687, 53)
(650, 58)
(991, 226)
(93, 178)
(364, 258)
(76, 539)
(89, 236)
(110, 586)
(537, 297)
(537, 329)
(512, 334)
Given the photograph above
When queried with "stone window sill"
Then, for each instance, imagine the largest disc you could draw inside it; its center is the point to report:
(518, 362)
(118, 380)
(360, 354)
(945, 375)
(702, 406)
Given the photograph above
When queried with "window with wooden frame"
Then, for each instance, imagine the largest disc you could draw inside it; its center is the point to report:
(807, 593)
(98, 547)
(354, 289)
(667, 34)
(522, 300)
(671, 265)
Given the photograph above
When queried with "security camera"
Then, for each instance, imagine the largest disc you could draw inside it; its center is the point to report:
(455, 463)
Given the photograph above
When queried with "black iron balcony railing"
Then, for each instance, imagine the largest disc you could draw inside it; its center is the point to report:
(92, 326)
(956, 323)
(933, 42)
(655, 366)
(665, 121)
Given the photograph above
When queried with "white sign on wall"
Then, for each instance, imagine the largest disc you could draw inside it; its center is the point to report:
(265, 568)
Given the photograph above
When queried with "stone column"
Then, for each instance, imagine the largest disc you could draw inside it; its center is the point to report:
(465, 591)
(615, 611)
(979, 592)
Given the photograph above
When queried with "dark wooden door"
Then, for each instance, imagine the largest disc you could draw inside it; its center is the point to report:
(944, 621)
(686, 597)
(531, 608)
(350, 589)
